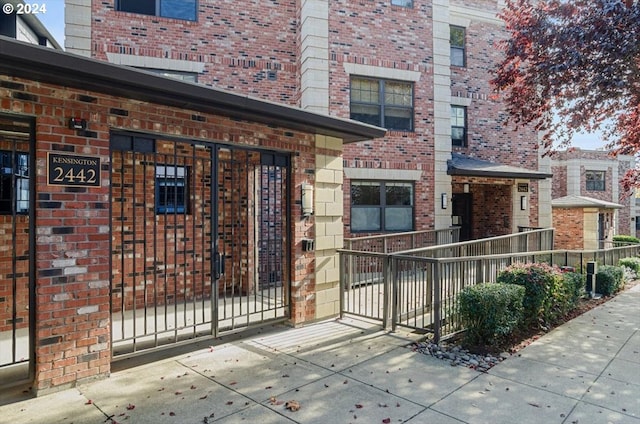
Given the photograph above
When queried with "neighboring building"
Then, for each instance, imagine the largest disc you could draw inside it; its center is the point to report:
(418, 68)
(589, 206)
(24, 25)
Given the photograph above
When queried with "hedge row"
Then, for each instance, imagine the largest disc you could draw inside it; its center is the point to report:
(529, 295)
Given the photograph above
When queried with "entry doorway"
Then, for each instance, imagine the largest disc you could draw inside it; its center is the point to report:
(17, 255)
(200, 240)
(461, 206)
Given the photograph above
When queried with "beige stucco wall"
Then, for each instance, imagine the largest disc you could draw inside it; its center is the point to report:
(590, 229)
(328, 226)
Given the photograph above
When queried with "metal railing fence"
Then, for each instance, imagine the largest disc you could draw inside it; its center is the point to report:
(396, 242)
(421, 292)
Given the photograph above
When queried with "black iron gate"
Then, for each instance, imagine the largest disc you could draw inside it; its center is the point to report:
(199, 240)
(17, 293)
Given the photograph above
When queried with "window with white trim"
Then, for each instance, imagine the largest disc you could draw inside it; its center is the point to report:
(381, 206)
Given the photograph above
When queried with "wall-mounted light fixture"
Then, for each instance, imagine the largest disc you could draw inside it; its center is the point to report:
(465, 187)
(443, 200)
(307, 199)
(523, 203)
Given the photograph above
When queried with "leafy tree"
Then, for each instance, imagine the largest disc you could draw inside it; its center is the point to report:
(573, 65)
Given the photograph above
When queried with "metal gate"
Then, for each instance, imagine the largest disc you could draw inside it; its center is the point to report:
(199, 240)
(17, 232)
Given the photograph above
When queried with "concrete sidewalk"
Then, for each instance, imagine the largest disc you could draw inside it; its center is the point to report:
(586, 371)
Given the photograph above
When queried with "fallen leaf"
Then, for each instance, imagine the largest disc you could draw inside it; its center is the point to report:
(292, 405)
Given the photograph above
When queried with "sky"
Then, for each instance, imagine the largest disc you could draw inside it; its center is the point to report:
(53, 20)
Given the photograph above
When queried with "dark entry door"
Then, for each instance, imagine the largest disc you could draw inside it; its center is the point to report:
(16, 255)
(461, 205)
(199, 240)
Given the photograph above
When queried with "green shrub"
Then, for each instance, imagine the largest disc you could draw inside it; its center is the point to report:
(631, 263)
(574, 284)
(490, 312)
(622, 238)
(609, 279)
(545, 293)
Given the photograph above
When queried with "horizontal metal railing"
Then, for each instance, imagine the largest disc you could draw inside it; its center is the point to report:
(396, 242)
(420, 292)
(527, 241)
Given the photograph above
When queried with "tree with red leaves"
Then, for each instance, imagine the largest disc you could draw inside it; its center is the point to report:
(574, 65)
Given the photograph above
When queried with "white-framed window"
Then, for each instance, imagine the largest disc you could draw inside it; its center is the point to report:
(378, 206)
(595, 180)
(385, 103)
(171, 189)
(175, 9)
(458, 126)
(457, 44)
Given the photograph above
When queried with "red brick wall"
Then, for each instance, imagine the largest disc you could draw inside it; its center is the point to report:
(72, 283)
(239, 43)
(378, 34)
(569, 228)
(559, 183)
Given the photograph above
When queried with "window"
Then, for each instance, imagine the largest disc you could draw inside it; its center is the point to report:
(595, 180)
(171, 189)
(381, 206)
(14, 182)
(176, 9)
(388, 104)
(456, 40)
(182, 76)
(403, 3)
(458, 126)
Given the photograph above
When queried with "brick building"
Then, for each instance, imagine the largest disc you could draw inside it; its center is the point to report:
(138, 210)
(418, 68)
(589, 206)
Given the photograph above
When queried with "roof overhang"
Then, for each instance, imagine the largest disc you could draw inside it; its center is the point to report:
(42, 64)
(582, 202)
(463, 165)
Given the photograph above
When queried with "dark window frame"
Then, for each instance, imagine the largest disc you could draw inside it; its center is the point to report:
(382, 205)
(381, 105)
(595, 184)
(456, 47)
(459, 142)
(144, 7)
(14, 182)
(167, 201)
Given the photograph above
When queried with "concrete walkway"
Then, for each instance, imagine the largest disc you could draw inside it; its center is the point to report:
(587, 371)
